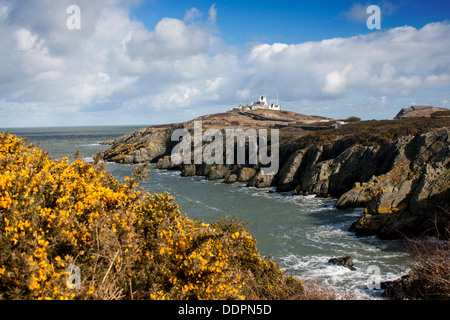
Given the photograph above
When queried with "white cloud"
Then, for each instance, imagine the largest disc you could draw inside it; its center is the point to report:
(192, 14)
(212, 14)
(358, 11)
(334, 83)
(3, 12)
(25, 40)
(116, 67)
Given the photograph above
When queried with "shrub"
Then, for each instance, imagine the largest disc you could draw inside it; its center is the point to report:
(429, 278)
(443, 113)
(375, 132)
(431, 262)
(128, 244)
(353, 119)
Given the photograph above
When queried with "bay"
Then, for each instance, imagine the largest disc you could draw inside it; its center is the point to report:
(300, 232)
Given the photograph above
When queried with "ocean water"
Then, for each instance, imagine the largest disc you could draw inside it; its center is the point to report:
(300, 232)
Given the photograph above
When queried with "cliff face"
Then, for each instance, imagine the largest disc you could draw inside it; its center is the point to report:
(398, 171)
(143, 145)
(409, 198)
(152, 143)
(400, 184)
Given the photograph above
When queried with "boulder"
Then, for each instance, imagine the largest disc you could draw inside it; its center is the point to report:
(346, 261)
(203, 169)
(217, 172)
(415, 286)
(231, 178)
(246, 174)
(165, 163)
(357, 197)
(188, 170)
(261, 181)
(143, 145)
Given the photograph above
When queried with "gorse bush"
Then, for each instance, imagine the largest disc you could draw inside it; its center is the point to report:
(54, 214)
(127, 243)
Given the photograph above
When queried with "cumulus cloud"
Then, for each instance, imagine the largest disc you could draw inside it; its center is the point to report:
(358, 11)
(115, 68)
(212, 14)
(192, 14)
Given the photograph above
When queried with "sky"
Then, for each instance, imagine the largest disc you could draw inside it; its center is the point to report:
(150, 62)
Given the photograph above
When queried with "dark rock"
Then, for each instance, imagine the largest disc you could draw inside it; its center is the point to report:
(288, 171)
(405, 200)
(346, 261)
(217, 172)
(188, 170)
(245, 174)
(401, 181)
(165, 163)
(143, 145)
(261, 181)
(413, 286)
(203, 169)
(231, 178)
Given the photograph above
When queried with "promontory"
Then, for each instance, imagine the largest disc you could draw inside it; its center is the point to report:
(396, 171)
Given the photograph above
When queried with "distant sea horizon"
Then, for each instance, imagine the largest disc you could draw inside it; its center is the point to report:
(2, 129)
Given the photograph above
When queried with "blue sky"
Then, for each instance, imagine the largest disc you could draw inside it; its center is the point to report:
(241, 22)
(149, 62)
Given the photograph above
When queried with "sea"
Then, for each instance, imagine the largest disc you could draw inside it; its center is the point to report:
(301, 233)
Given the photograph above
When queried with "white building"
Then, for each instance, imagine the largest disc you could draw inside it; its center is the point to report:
(260, 104)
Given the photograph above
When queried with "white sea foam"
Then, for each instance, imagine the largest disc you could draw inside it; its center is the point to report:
(171, 173)
(361, 283)
(90, 145)
(355, 213)
(216, 209)
(307, 229)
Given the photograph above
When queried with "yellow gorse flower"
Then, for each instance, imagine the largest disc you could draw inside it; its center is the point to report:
(126, 243)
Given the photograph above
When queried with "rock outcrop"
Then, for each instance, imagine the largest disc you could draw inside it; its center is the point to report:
(165, 163)
(413, 286)
(405, 200)
(418, 112)
(144, 145)
(401, 184)
(397, 171)
(346, 261)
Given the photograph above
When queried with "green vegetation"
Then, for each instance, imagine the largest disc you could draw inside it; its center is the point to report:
(352, 119)
(441, 114)
(375, 131)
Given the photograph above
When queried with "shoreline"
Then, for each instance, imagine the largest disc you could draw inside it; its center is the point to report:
(312, 268)
(388, 167)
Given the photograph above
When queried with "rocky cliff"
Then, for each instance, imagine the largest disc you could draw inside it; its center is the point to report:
(152, 143)
(143, 145)
(398, 171)
(401, 184)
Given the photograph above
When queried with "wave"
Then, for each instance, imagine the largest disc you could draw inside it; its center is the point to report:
(164, 172)
(90, 145)
(302, 232)
(363, 283)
